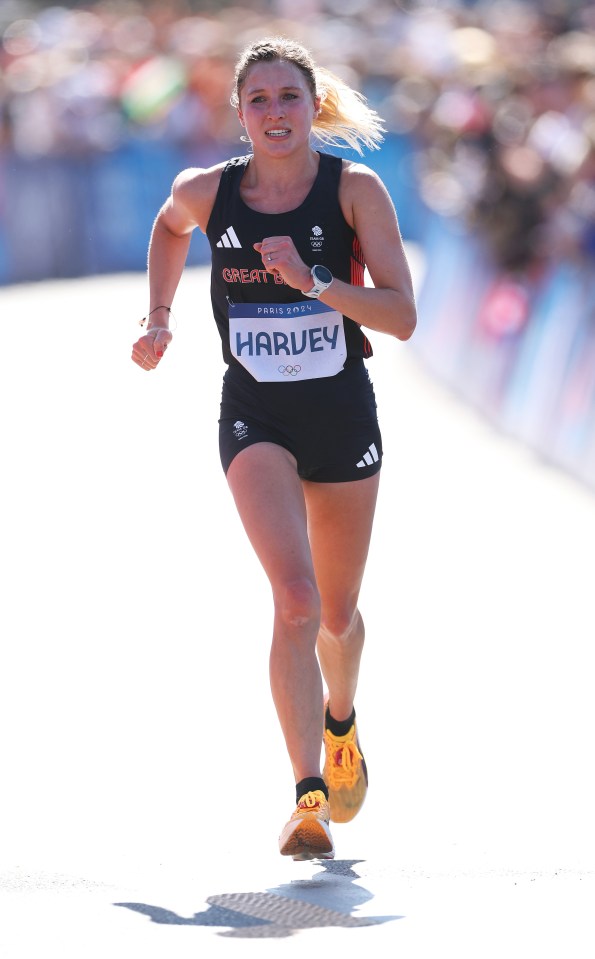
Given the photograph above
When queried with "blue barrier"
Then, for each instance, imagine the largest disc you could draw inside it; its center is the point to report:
(89, 214)
(528, 364)
(521, 350)
(83, 215)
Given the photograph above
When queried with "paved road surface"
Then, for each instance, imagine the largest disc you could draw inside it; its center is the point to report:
(144, 781)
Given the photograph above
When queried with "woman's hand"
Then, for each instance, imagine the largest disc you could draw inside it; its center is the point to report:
(280, 256)
(149, 349)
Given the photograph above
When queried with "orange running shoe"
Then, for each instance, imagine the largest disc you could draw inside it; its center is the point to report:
(307, 834)
(345, 774)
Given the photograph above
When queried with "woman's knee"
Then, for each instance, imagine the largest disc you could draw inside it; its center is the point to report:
(339, 621)
(297, 602)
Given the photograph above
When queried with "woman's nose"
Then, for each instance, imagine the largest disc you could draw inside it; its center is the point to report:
(276, 109)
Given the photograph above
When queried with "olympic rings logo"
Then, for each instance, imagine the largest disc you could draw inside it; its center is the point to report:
(290, 370)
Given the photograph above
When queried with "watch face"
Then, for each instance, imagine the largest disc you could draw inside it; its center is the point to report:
(322, 274)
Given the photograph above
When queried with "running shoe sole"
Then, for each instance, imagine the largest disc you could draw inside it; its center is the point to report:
(305, 839)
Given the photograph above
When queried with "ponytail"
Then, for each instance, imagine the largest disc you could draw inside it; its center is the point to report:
(345, 117)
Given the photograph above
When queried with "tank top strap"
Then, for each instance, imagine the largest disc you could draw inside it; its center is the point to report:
(233, 172)
(329, 171)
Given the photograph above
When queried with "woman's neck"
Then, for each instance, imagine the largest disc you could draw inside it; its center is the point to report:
(273, 185)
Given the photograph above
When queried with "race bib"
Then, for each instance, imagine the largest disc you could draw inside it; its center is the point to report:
(278, 342)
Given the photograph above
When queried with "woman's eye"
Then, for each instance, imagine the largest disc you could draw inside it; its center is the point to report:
(286, 96)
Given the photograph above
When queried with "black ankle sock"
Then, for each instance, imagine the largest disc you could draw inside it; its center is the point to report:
(308, 786)
(336, 727)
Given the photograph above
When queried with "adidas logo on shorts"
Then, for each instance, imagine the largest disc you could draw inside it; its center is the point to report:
(370, 457)
(230, 238)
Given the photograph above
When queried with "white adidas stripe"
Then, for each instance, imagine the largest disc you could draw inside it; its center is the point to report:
(370, 456)
(230, 239)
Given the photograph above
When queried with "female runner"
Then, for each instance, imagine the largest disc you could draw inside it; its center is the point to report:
(291, 229)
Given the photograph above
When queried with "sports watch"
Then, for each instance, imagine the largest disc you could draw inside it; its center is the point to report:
(322, 277)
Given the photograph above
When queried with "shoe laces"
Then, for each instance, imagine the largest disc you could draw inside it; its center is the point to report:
(345, 759)
(311, 801)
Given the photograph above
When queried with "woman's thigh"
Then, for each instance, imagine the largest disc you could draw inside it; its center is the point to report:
(270, 501)
(340, 520)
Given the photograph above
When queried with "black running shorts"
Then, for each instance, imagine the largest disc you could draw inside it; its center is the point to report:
(329, 425)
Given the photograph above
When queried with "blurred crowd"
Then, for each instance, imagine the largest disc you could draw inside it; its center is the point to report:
(498, 95)
(506, 112)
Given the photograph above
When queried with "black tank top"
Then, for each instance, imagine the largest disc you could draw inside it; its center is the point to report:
(320, 234)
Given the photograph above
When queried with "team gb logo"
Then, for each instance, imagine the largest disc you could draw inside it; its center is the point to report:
(317, 239)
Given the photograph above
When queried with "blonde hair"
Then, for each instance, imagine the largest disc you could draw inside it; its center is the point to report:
(345, 119)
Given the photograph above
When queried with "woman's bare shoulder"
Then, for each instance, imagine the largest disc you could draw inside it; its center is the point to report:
(357, 176)
(194, 191)
(361, 187)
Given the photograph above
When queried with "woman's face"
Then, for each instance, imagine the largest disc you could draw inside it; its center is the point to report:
(277, 107)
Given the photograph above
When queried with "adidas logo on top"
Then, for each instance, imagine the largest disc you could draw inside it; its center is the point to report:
(230, 239)
(369, 457)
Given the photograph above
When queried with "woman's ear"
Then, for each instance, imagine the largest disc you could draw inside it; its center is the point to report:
(241, 118)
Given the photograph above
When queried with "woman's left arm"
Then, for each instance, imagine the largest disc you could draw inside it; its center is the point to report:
(388, 306)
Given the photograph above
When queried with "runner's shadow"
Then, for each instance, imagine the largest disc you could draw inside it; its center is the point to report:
(328, 899)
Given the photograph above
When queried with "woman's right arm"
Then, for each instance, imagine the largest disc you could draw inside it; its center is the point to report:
(188, 206)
